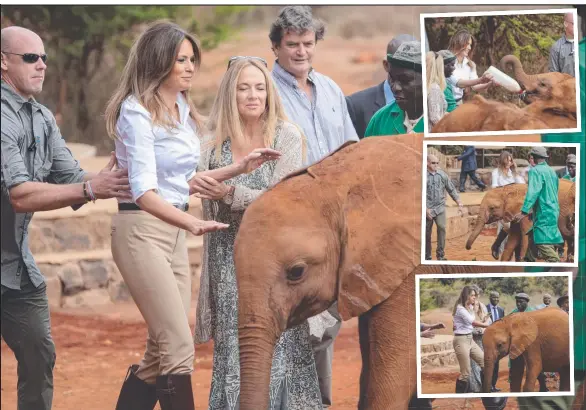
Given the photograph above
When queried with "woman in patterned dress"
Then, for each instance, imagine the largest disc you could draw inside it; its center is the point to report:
(246, 114)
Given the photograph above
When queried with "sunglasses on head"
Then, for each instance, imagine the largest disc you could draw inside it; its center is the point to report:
(236, 58)
(30, 58)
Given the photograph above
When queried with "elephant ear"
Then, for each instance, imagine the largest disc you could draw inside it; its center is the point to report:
(523, 333)
(381, 223)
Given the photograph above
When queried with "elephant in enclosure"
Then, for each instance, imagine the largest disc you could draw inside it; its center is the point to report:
(344, 230)
(537, 341)
(503, 203)
(550, 98)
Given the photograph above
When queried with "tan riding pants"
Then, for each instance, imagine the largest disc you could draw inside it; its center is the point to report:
(152, 258)
(465, 348)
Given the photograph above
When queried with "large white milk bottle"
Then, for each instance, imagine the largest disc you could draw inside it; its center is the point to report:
(504, 80)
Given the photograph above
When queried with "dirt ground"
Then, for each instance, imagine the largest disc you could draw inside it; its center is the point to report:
(93, 353)
(456, 247)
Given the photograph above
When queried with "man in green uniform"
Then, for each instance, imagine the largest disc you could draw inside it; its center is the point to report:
(405, 115)
(579, 286)
(542, 198)
(571, 167)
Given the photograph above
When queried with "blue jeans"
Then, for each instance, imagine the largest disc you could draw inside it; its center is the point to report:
(26, 329)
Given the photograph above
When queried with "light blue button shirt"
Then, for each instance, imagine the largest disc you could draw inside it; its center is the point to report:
(325, 120)
(389, 96)
(157, 159)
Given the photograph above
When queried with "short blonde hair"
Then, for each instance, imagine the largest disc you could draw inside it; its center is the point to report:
(434, 65)
(224, 120)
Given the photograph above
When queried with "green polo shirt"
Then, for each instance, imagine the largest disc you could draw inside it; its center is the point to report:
(389, 121)
(449, 95)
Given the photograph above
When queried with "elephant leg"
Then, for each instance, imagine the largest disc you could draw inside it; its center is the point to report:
(495, 248)
(516, 373)
(391, 351)
(510, 247)
(570, 253)
(533, 370)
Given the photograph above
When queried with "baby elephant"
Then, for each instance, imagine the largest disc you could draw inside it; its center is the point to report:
(537, 340)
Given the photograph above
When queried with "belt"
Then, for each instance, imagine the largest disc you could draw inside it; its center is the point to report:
(462, 334)
(135, 207)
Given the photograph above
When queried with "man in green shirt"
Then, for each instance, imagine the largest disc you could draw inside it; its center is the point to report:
(405, 115)
(542, 198)
(571, 167)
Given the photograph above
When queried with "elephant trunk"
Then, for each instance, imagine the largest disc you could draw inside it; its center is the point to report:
(489, 362)
(481, 219)
(257, 345)
(528, 82)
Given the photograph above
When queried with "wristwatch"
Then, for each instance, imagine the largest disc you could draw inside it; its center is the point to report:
(229, 197)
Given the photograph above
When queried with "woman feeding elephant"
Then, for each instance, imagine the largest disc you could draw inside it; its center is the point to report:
(247, 114)
(464, 345)
(462, 44)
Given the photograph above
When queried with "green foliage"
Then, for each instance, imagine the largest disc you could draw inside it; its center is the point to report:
(527, 36)
(443, 293)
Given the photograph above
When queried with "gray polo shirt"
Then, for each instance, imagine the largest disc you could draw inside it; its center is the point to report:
(561, 56)
(437, 185)
(32, 150)
(325, 120)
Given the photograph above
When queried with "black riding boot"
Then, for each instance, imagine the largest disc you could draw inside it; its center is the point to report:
(494, 403)
(175, 392)
(495, 248)
(135, 394)
(461, 386)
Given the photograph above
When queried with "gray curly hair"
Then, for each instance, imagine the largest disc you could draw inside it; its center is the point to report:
(298, 19)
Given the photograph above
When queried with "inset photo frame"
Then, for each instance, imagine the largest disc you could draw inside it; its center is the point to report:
(500, 203)
(494, 335)
(496, 73)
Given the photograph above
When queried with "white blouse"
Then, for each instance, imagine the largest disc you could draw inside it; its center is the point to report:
(461, 72)
(157, 159)
(499, 179)
(463, 321)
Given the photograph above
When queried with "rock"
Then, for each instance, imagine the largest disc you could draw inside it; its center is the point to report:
(70, 276)
(113, 272)
(94, 273)
(48, 270)
(54, 291)
(87, 298)
(118, 291)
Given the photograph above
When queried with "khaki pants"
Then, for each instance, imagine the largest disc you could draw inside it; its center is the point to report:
(152, 258)
(466, 348)
(546, 252)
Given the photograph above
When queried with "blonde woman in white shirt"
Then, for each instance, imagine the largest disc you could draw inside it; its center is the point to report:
(464, 345)
(155, 126)
(504, 174)
(436, 84)
(464, 76)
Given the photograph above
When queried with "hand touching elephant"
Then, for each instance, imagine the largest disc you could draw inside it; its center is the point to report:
(348, 230)
(537, 341)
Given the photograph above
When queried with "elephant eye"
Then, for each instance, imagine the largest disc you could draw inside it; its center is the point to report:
(295, 273)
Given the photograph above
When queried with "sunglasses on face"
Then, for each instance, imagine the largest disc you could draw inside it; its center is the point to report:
(435, 163)
(236, 58)
(30, 58)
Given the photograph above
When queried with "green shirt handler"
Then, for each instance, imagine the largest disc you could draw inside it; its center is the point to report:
(542, 199)
(579, 285)
(405, 115)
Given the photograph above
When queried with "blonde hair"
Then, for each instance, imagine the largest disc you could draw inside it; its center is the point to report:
(151, 59)
(434, 63)
(225, 121)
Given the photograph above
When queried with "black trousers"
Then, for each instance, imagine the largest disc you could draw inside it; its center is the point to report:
(26, 329)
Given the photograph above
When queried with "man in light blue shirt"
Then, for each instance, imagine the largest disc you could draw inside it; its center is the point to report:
(312, 100)
(316, 104)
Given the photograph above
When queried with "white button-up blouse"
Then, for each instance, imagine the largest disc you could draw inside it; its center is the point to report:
(157, 159)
